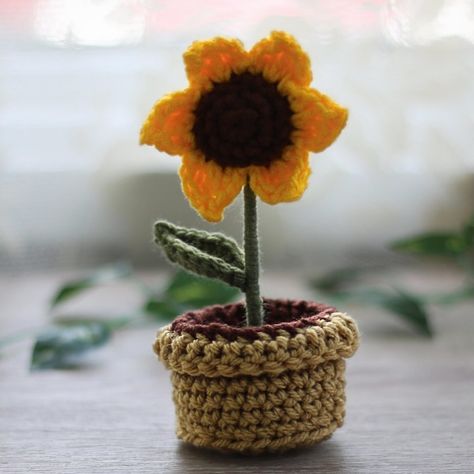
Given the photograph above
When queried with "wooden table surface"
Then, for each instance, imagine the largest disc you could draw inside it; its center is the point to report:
(410, 401)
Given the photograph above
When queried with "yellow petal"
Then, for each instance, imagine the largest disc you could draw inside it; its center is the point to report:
(317, 118)
(285, 180)
(170, 122)
(279, 57)
(209, 187)
(214, 61)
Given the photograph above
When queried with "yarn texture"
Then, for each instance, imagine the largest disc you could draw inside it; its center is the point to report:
(213, 255)
(243, 121)
(266, 375)
(246, 116)
(257, 389)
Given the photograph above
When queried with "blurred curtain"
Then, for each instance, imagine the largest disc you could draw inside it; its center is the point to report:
(77, 78)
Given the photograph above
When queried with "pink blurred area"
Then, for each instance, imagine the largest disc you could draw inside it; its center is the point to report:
(160, 18)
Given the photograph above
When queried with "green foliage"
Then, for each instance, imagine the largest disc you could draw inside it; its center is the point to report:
(18, 336)
(468, 234)
(211, 255)
(184, 292)
(162, 310)
(412, 308)
(454, 244)
(197, 292)
(453, 297)
(62, 344)
(59, 346)
(401, 303)
(103, 275)
(398, 302)
(111, 323)
(407, 306)
(444, 245)
(336, 280)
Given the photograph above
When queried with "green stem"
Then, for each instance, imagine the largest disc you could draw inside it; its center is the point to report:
(252, 265)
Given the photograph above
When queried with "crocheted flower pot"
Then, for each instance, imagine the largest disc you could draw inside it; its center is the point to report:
(258, 389)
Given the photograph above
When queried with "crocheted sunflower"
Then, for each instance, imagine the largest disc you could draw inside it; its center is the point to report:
(246, 117)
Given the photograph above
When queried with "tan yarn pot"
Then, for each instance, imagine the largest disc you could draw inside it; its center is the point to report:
(258, 389)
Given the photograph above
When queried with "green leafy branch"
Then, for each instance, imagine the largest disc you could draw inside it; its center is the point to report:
(412, 308)
(214, 255)
(63, 343)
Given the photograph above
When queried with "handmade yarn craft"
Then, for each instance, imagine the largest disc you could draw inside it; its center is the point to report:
(264, 374)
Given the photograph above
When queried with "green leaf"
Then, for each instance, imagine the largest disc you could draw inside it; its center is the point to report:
(112, 324)
(196, 292)
(453, 297)
(16, 336)
(185, 292)
(446, 245)
(104, 275)
(336, 280)
(410, 308)
(468, 233)
(58, 347)
(163, 310)
(405, 305)
(212, 255)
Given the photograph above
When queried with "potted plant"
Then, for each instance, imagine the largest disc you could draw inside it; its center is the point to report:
(264, 374)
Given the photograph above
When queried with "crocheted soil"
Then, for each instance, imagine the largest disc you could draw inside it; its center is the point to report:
(229, 320)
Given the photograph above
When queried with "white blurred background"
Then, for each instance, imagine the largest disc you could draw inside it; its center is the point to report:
(78, 77)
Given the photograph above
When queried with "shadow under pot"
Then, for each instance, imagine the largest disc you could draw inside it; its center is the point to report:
(258, 389)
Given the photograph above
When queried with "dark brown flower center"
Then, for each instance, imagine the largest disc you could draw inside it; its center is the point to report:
(244, 121)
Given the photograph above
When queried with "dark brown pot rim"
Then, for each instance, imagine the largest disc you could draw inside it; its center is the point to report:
(229, 320)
